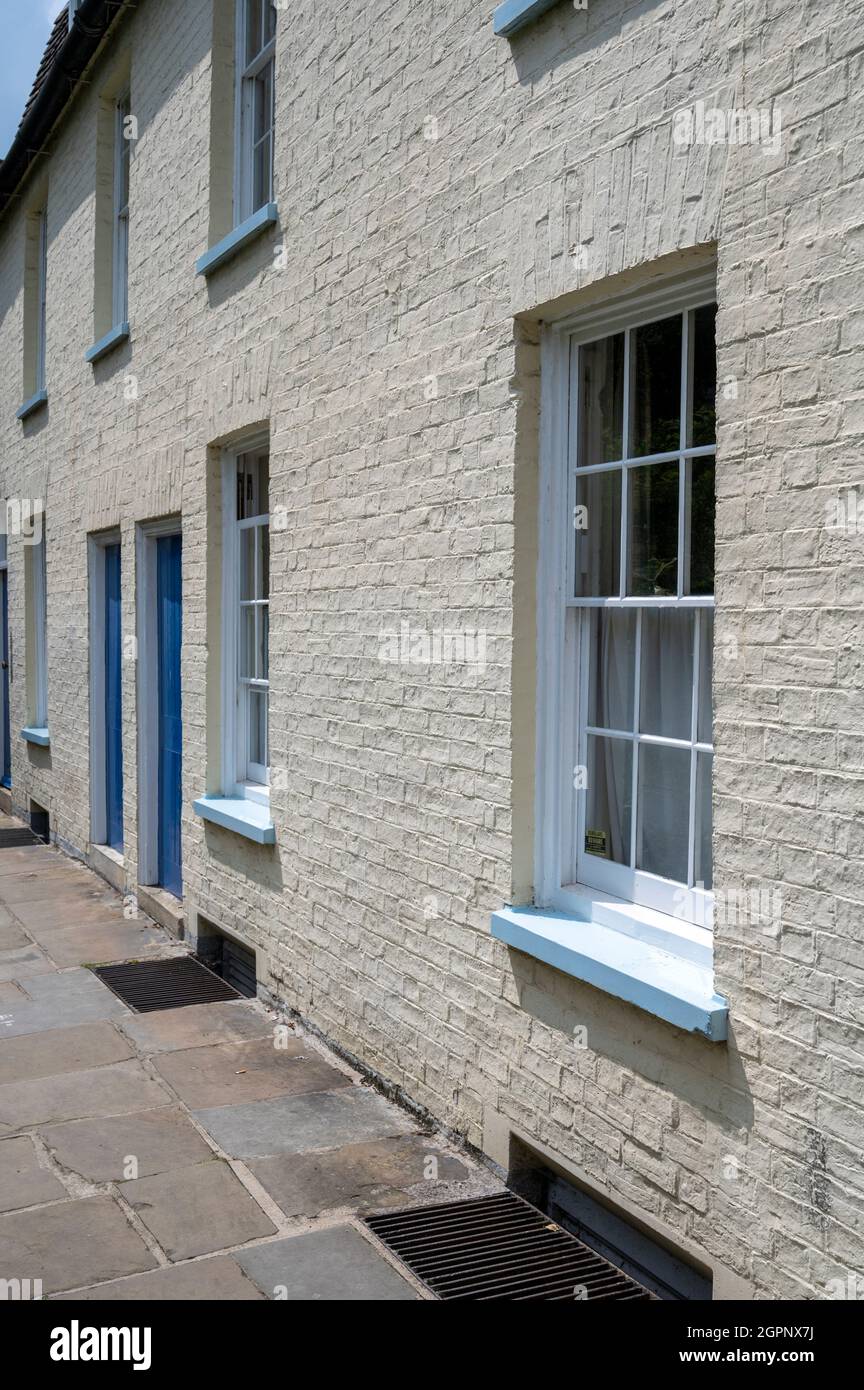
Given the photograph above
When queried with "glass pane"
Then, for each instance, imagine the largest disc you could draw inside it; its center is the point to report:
(666, 685)
(705, 721)
(253, 29)
(263, 91)
(601, 405)
(265, 562)
(598, 535)
(701, 578)
(258, 727)
(612, 667)
(654, 530)
(247, 563)
(252, 487)
(269, 21)
(261, 173)
(702, 860)
(263, 671)
(704, 426)
(609, 796)
(664, 805)
(247, 643)
(656, 373)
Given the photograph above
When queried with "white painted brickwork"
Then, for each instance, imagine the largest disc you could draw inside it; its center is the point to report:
(402, 404)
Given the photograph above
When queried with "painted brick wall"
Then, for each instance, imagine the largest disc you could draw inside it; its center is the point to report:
(433, 184)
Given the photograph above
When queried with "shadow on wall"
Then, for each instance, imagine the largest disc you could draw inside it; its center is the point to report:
(708, 1076)
(565, 34)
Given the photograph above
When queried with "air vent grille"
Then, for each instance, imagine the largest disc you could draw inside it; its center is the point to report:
(165, 984)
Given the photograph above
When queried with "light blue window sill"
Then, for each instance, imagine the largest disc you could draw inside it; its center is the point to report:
(513, 15)
(34, 403)
(36, 735)
(670, 986)
(226, 249)
(249, 818)
(117, 335)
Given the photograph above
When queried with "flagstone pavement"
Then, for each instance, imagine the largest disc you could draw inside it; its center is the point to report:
(182, 1154)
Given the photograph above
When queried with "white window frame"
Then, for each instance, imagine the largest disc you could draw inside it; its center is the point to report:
(120, 270)
(38, 589)
(42, 301)
(247, 75)
(563, 667)
(240, 777)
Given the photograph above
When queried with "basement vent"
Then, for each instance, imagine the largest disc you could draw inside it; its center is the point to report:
(165, 984)
(17, 838)
(236, 966)
(499, 1249)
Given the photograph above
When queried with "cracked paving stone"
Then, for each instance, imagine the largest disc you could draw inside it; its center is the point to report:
(61, 1050)
(197, 1210)
(336, 1265)
(111, 1090)
(199, 1025)
(232, 1073)
(357, 1175)
(62, 1001)
(217, 1279)
(325, 1120)
(71, 1244)
(99, 1149)
(22, 1182)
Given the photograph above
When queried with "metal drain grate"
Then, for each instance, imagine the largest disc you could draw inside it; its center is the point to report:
(165, 984)
(499, 1248)
(18, 838)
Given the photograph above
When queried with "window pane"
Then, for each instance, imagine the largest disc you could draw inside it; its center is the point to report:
(261, 190)
(656, 387)
(247, 563)
(263, 91)
(609, 796)
(701, 577)
(601, 404)
(263, 671)
(247, 643)
(258, 727)
(664, 806)
(704, 427)
(269, 21)
(612, 667)
(253, 29)
(705, 722)
(252, 487)
(666, 685)
(654, 530)
(264, 574)
(702, 859)
(598, 535)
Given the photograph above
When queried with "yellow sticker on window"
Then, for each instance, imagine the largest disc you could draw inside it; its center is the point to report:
(595, 842)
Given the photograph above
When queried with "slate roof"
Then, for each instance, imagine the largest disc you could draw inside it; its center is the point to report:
(49, 57)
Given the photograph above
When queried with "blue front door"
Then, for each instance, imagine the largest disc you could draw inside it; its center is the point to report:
(6, 769)
(169, 598)
(113, 701)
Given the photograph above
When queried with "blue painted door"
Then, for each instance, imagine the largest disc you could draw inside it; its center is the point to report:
(6, 770)
(113, 701)
(169, 597)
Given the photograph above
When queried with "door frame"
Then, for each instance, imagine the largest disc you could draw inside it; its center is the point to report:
(147, 619)
(96, 547)
(5, 682)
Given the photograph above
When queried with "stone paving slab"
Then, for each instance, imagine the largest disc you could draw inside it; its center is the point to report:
(61, 1000)
(27, 858)
(52, 914)
(72, 1244)
(197, 1210)
(217, 1279)
(20, 965)
(13, 938)
(99, 945)
(55, 885)
(235, 1073)
(359, 1176)
(334, 1265)
(112, 1090)
(61, 1050)
(99, 1149)
(200, 1025)
(297, 1124)
(22, 1182)
(11, 993)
